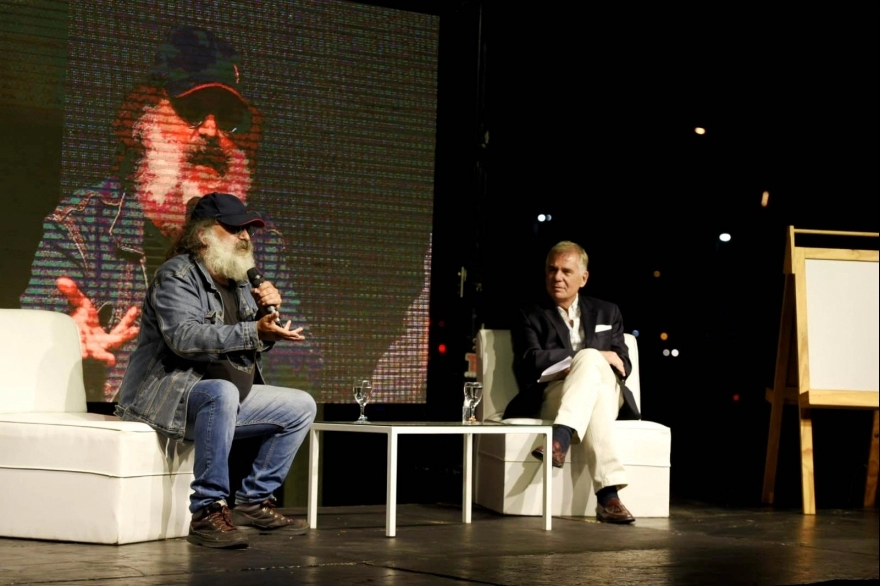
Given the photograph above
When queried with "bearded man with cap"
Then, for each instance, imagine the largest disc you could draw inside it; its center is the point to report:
(185, 132)
(196, 372)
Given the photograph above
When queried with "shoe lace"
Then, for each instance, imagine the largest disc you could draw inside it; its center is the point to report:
(269, 507)
(221, 518)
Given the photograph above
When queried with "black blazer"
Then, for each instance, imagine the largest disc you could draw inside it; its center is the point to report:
(540, 339)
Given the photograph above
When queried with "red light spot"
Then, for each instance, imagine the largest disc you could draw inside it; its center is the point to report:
(441, 348)
(441, 323)
(736, 397)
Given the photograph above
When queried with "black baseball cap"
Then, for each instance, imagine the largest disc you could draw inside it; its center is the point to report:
(193, 59)
(227, 209)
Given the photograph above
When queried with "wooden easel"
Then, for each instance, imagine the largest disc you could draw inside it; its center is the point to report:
(792, 380)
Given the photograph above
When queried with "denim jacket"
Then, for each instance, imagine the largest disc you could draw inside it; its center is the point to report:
(182, 332)
(96, 238)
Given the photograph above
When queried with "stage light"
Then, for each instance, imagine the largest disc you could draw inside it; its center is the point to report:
(636, 333)
(724, 237)
(675, 352)
(541, 217)
(700, 130)
(664, 336)
(441, 348)
(656, 273)
(765, 199)
(666, 352)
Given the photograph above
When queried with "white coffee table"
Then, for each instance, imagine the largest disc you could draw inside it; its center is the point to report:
(394, 429)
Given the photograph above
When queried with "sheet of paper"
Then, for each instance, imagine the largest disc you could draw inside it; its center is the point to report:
(551, 371)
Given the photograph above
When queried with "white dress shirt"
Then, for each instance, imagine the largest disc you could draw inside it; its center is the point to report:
(572, 317)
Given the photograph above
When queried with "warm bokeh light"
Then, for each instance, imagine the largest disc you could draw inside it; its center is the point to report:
(765, 199)
(664, 336)
(656, 273)
(700, 130)
(441, 348)
(736, 398)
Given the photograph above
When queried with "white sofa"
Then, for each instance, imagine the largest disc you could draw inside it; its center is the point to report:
(68, 475)
(508, 476)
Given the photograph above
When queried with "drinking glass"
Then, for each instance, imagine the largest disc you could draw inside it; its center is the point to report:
(362, 390)
(473, 393)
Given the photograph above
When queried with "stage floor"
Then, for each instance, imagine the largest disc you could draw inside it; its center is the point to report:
(698, 544)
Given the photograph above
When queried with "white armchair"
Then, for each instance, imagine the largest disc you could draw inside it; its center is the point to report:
(68, 475)
(508, 478)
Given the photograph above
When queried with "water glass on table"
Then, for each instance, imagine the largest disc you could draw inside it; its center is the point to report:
(362, 389)
(473, 393)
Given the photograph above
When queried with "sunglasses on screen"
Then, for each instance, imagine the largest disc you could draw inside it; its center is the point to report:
(230, 114)
(236, 230)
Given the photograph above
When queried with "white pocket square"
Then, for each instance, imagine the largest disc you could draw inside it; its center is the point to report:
(603, 327)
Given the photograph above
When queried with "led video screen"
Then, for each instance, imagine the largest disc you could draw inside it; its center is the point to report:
(321, 115)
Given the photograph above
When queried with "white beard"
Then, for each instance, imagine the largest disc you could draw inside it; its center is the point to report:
(225, 261)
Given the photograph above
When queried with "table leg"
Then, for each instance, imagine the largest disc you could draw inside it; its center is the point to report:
(467, 488)
(391, 487)
(313, 478)
(548, 480)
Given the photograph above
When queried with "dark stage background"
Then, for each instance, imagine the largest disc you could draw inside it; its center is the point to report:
(588, 115)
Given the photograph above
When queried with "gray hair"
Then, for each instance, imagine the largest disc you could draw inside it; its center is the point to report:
(565, 247)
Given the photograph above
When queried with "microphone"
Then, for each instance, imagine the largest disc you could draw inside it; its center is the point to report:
(256, 279)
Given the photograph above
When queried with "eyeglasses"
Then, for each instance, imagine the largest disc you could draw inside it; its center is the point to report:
(237, 230)
(231, 115)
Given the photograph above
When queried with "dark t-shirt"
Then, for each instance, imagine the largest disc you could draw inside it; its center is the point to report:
(223, 368)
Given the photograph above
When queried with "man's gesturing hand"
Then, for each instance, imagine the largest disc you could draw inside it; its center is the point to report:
(615, 361)
(96, 343)
(268, 330)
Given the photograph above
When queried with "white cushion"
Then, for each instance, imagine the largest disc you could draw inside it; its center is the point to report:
(89, 443)
(40, 362)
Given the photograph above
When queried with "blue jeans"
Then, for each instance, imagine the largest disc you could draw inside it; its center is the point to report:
(214, 418)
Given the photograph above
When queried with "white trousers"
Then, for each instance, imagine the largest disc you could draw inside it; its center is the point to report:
(587, 400)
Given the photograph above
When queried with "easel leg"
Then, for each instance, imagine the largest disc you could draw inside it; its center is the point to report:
(807, 485)
(783, 353)
(772, 448)
(873, 463)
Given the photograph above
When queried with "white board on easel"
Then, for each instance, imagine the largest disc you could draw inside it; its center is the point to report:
(843, 324)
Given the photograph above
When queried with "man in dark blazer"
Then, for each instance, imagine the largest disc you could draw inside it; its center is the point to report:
(582, 397)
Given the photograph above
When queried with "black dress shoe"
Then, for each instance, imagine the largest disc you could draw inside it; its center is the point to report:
(558, 454)
(614, 512)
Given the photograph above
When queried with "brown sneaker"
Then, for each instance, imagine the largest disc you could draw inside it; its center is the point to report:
(264, 517)
(212, 527)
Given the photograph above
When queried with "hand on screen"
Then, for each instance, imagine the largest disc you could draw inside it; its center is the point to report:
(96, 343)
